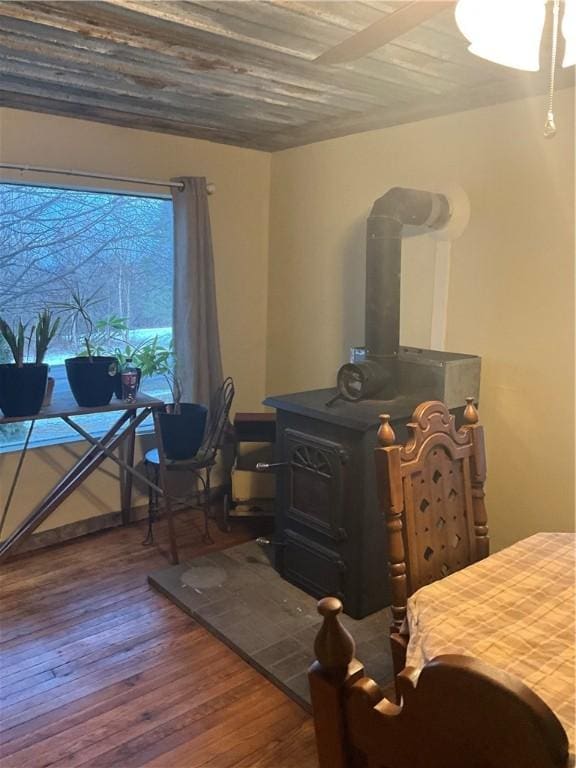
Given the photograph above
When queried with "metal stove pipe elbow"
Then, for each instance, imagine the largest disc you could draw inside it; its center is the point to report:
(414, 207)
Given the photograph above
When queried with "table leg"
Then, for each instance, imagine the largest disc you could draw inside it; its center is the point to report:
(163, 475)
(16, 477)
(99, 445)
(75, 476)
(86, 458)
(127, 476)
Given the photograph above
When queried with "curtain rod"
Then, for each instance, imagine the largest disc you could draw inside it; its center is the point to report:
(210, 188)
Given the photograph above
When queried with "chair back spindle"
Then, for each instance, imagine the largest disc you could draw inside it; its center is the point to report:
(218, 414)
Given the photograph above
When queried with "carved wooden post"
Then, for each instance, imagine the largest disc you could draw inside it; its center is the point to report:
(478, 478)
(470, 412)
(329, 677)
(386, 435)
(390, 496)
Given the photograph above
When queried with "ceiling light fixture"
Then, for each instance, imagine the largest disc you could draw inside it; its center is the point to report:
(509, 32)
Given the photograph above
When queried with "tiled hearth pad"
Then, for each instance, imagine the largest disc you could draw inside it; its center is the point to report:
(240, 598)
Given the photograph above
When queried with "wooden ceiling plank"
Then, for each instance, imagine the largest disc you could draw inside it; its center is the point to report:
(253, 89)
(202, 58)
(196, 112)
(133, 112)
(424, 48)
(114, 21)
(437, 38)
(414, 78)
(159, 94)
(444, 23)
(381, 32)
(435, 48)
(216, 21)
(355, 16)
(315, 36)
(350, 17)
(110, 117)
(479, 72)
(137, 111)
(238, 72)
(382, 118)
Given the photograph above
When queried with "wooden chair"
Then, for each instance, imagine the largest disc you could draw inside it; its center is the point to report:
(432, 497)
(458, 713)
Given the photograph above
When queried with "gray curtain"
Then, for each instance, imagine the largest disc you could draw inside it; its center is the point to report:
(196, 336)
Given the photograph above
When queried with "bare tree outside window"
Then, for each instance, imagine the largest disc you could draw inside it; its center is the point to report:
(54, 240)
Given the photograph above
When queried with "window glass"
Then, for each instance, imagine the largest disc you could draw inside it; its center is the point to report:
(119, 247)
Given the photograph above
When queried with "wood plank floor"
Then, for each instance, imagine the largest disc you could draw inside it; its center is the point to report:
(98, 670)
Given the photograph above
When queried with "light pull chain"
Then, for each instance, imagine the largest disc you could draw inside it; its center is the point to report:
(550, 124)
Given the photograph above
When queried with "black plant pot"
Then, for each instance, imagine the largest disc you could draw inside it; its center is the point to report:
(91, 380)
(22, 389)
(182, 433)
(118, 383)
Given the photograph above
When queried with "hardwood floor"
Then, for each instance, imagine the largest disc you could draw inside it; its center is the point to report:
(98, 670)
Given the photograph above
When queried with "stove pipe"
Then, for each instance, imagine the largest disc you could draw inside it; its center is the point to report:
(390, 213)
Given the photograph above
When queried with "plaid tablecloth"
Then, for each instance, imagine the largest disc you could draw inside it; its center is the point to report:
(513, 610)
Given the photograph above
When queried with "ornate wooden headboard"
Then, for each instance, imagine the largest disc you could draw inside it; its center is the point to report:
(431, 494)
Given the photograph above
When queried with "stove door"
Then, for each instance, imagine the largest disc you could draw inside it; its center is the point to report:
(315, 485)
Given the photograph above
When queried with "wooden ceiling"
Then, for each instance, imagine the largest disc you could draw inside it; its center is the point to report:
(240, 72)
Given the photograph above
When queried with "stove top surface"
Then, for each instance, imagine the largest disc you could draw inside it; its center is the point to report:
(361, 415)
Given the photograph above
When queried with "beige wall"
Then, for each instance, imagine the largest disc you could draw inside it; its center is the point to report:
(239, 212)
(511, 284)
(511, 296)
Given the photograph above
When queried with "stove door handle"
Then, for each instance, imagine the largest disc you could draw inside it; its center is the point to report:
(263, 467)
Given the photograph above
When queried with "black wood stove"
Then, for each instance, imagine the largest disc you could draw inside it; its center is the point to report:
(330, 538)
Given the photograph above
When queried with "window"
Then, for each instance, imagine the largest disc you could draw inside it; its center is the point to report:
(55, 240)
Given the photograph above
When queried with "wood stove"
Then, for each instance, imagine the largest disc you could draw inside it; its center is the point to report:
(330, 538)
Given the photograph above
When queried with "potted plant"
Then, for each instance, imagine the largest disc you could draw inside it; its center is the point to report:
(182, 424)
(23, 384)
(112, 337)
(90, 375)
(109, 334)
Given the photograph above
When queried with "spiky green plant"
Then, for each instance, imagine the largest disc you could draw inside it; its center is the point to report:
(16, 339)
(46, 329)
(78, 311)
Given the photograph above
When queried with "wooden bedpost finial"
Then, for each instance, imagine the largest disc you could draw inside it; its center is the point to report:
(386, 434)
(334, 646)
(470, 412)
